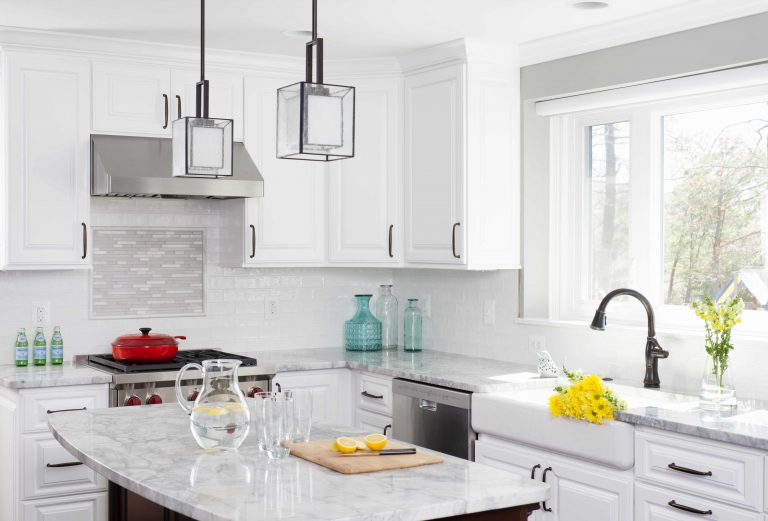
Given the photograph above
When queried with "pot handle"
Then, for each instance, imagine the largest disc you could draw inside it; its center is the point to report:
(180, 397)
(181, 337)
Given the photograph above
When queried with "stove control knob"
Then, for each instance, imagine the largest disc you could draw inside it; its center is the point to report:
(132, 400)
(253, 391)
(193, 395)
(154, 400)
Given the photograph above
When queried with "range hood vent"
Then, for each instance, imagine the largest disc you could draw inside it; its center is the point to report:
(124, 166)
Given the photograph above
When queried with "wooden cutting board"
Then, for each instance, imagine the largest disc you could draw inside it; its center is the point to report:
(319, 452)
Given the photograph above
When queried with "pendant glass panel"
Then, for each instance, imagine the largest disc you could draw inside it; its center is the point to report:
(315, 121)
(202, 147)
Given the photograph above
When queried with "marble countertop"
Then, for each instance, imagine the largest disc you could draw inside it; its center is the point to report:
(467, 373)
(33, 376)
(748, 428)
(150, 451)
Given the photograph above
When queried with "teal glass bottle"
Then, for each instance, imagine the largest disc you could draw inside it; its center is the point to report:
(412, 326)
(363, 331)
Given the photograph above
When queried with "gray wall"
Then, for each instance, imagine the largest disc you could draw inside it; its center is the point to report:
(718, 46)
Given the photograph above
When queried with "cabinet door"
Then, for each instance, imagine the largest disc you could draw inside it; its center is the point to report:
(287, 225)
(434, 166)
(47, 178)
(83, 507)
(225, 97)
(132, 98)
(371, 422)
(331, 392)
(364, 191)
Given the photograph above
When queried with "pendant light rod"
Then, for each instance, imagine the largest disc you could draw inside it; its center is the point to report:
(201, 87)
(314, 51)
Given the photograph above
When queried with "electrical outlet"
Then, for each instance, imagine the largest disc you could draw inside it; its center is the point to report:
(41, 313)
(271, 309)
(489, 312)
(537, 343)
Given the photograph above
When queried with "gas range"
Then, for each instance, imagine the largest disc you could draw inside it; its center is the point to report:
(154, 383)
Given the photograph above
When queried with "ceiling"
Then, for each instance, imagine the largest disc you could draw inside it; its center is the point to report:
(351, 28)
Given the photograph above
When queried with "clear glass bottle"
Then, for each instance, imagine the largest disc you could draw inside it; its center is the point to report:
(39, 347)
(386, 311)
(412, 326)
(57, 347)
(22, 348)
(363, 331)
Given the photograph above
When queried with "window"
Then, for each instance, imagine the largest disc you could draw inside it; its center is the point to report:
(668, 197)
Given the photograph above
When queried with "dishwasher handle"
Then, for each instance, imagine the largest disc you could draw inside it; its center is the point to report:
(427, 405)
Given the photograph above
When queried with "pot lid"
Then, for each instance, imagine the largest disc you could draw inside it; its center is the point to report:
(145, 339)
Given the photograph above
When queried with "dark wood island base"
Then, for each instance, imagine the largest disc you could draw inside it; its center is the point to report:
(520, 513)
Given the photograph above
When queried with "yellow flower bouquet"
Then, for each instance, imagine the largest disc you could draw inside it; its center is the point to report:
(585, 398)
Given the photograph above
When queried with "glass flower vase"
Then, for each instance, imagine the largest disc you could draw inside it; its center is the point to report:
(387, 312)
(717, 391)
(363, 331)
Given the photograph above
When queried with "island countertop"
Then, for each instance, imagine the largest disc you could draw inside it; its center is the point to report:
(150, 451)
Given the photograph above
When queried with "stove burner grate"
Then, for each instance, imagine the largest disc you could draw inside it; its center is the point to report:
(182, 358)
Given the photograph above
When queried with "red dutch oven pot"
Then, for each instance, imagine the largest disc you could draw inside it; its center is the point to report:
(145, 348)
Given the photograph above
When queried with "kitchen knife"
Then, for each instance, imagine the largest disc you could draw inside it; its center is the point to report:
(385, 452)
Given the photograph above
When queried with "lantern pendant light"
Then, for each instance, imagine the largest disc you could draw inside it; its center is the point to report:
(202, 146)
(315, 120)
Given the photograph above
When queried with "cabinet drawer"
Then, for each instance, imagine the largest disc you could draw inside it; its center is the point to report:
(41, 476)
(87, 507)
(374, 393)
(709, 469)
(370, 422)
(36, 403)
(652, 504)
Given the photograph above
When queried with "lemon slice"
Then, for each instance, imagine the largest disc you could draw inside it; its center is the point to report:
(346, 445)
(211, 410)
(375, 441)
(361, 445)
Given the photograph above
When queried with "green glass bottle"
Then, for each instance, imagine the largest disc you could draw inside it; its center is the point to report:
(57, 347)
(39, 347)
(22, 348)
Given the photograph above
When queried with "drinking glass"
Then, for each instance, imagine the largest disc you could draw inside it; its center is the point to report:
(278, 425)
(258, 419)
(302, 415)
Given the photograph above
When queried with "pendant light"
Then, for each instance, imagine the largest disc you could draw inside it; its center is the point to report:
(315, 120)
(202, 146)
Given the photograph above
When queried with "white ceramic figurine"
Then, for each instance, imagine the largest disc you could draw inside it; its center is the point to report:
(546, 366)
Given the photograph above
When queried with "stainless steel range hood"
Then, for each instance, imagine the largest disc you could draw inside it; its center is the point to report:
(123, 166)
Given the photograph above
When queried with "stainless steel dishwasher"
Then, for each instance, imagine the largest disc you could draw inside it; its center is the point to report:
(434, 417)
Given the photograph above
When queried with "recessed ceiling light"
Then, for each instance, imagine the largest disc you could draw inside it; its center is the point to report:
(304, 35)
(589, 4)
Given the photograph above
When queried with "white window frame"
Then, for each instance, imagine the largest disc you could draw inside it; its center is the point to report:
(569, 200)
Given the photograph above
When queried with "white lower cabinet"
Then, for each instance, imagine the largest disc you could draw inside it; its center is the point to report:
(85, 507)
(371, 422)
(330, 388)
(580, 491)
(664, 504)
(39, 479)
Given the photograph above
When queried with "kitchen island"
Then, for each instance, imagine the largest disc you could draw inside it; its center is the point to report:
(150, 451)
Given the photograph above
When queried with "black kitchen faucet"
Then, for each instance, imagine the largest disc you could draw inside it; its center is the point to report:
(653, 350)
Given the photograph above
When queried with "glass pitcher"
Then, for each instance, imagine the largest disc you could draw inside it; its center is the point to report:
(219, 418)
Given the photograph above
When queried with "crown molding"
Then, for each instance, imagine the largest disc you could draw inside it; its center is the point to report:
(476, 51)
(679, 18)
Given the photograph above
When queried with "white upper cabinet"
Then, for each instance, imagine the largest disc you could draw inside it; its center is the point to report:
(225, 97)
(365, 191)
(132, 98)
(145, 99)
(462, 179)
(288, 225)
(46, 168)
(434, 191)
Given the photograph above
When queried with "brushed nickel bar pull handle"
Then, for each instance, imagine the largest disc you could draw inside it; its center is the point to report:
(391, 227)
(689, 470)
(85, 240)
(544, 480)
(49, 411)
(374, 396)
(453, 240)
(686, 508)
(253, 241)
(60, 465)
(178, 106)
(165, 98)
